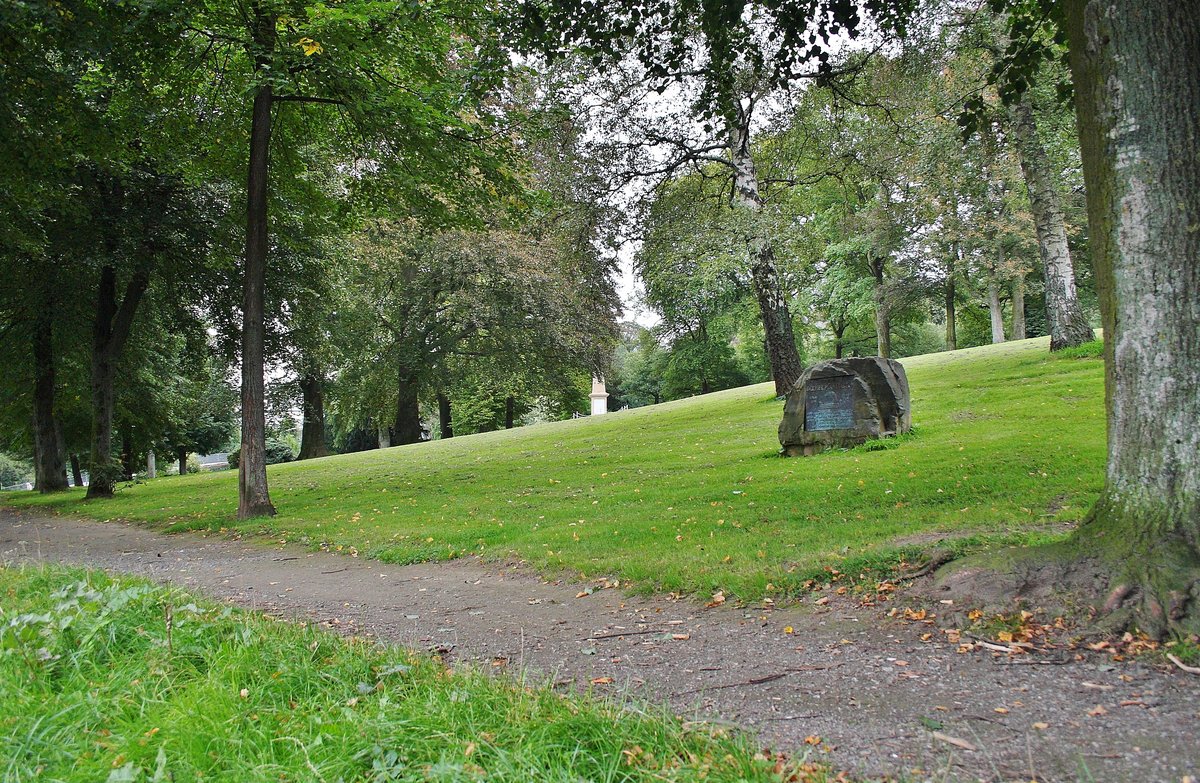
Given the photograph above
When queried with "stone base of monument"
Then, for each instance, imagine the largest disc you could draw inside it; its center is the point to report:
(845, 402)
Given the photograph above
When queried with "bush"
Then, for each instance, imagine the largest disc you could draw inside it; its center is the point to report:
(193, 463)
(234, 457)
(279, 450)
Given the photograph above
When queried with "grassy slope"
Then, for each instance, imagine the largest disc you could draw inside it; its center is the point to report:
(690, 495)
(93, 688)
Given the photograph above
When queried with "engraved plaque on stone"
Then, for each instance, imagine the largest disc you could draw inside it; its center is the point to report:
(829, 404)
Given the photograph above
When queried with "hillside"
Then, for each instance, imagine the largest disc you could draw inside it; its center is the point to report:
(691, 495)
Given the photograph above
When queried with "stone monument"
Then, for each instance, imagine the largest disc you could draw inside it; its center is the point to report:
(599, 396)
(845, 402)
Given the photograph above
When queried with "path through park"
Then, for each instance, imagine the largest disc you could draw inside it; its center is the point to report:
(848, 685)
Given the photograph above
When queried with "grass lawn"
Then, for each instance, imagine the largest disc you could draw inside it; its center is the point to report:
(95, 686)
(691, 496)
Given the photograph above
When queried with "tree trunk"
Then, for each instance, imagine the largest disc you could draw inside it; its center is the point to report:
(76, 470)
(510, 411)
(883, 316)
(838, 332)
(997, 315)
(782, 354)
(128, 466)
(253, 498)
(110, 330)
(1065, 320)
(407, 427)
(951, 295)
(445, 417)
(1136, 69)
(1018, 307)
(312, 432)
(181, 454)
(50, 471)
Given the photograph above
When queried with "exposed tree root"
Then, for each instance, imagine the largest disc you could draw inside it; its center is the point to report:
(1107, 585)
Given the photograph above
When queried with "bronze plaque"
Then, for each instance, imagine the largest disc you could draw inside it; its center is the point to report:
(829, 403)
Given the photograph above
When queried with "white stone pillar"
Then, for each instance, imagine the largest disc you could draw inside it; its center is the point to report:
(599, 397)
(151, 467)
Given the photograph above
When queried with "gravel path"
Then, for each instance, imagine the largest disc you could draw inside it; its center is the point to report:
(882, 701)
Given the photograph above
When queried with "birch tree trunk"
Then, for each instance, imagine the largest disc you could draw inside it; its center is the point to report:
(782, 354)
(951, 294)
(1136, 69)
(1018, 306)
(1065, 320)
(994, 311)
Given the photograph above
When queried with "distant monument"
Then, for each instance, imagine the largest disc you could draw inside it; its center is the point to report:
(599, 397)
(845, 402)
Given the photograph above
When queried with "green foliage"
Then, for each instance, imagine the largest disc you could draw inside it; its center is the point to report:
(1012, 442)
(14, 471)
(115, 679)
(280, 450)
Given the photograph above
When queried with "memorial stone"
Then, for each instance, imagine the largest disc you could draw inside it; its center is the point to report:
(845, 402)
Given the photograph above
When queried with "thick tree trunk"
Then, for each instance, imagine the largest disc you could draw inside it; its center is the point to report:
(1136, 69)
(782, 354)
(1018, 307)
(1065, 320)
(110, 330)
(312, 432)
(407, 426)
(253, 498)
(50, 472)
(510, 412)
(994, 310)
(76, 470)
(445, 417)
(951, 295)
(181, 454)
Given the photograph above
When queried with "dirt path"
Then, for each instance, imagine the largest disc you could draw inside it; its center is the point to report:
(867, 685)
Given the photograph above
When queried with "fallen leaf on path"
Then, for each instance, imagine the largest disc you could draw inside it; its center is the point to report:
(602, 680)
(717, 599)
(822, 600)
(955, 741)
(1097, 711)
(812, 739)
(1041, 726)
(681, 637)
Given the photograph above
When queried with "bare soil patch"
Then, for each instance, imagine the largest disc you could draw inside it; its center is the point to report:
(846, 684)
